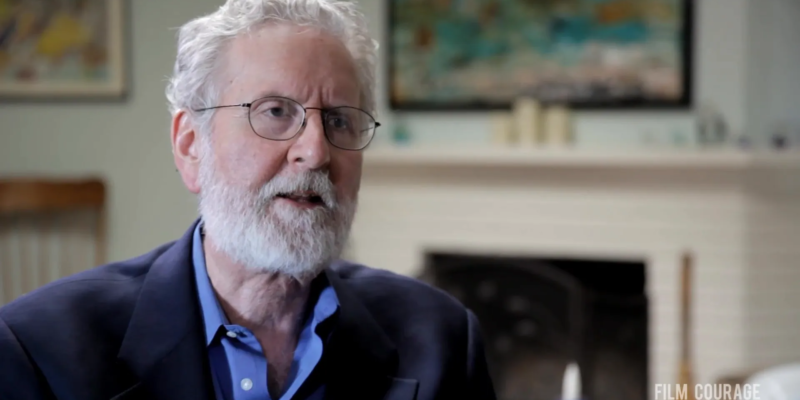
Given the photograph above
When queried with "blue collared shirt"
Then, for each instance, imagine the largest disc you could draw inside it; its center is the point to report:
(238, 365)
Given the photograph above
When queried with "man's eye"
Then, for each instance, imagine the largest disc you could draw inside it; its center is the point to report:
(275, 109)
(338, 122)
(275, 112)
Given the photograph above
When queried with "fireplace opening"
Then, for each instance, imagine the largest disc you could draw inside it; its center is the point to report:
(540, 314)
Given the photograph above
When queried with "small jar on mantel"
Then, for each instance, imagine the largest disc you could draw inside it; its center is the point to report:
(401, 136)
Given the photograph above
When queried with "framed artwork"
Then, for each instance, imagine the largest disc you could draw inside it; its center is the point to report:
(53, 49)
(483, 54)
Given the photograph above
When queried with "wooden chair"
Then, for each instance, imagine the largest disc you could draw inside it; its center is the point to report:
(49, 229)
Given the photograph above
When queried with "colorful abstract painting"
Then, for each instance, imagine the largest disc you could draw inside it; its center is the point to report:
(58, 48)
(467, 54)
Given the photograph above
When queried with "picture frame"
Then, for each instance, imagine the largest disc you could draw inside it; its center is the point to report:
(63, 50)
(451, 55)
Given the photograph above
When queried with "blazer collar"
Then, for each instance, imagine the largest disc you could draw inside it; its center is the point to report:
(164, 345)
(357, 324)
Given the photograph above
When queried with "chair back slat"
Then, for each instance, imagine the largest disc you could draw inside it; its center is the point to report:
(48, 230)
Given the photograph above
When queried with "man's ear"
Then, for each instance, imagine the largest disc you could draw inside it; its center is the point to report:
(186, 144)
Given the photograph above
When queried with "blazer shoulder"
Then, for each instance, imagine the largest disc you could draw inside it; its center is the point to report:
(77, 320)
(378, 286)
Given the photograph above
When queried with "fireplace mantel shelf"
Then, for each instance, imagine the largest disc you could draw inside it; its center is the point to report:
(489, 156)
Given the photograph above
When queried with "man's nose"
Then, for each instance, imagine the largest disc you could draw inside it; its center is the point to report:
(311, 149)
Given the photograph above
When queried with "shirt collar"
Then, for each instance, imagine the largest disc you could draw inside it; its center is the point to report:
(213, 316)
(323, 297)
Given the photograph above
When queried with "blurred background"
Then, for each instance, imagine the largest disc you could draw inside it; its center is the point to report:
(609, 183)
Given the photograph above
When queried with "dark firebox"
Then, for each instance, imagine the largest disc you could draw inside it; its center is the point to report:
(540, 314)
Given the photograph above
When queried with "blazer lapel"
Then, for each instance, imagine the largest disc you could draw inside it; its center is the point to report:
(164, 346)
(369, 355)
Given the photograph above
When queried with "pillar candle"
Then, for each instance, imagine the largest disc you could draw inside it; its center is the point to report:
(503, 132)
(557, 126)
(526, 121)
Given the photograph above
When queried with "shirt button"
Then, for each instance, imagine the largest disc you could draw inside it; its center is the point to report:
(247, 384)
(231, 334)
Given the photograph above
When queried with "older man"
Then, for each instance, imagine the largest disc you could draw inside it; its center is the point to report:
(272, 104)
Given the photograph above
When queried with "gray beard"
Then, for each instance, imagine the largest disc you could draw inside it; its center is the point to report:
(262, 234)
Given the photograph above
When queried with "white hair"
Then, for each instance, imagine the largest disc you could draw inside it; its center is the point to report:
(202, 42)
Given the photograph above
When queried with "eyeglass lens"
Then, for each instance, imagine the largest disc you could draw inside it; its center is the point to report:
(279, 118)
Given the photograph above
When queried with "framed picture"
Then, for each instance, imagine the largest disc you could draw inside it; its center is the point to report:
(52, 49)
(483, 54)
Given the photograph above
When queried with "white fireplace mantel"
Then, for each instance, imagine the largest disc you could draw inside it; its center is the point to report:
(562, 157)
(738, 213)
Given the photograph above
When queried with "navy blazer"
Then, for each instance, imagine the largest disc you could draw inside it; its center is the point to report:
(134, 330)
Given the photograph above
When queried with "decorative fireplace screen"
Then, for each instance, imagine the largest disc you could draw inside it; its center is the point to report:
(538, 315)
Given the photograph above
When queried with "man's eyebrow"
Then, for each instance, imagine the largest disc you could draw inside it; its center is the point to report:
(271, 93)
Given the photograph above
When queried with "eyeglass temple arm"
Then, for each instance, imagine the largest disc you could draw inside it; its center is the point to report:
(228, 106)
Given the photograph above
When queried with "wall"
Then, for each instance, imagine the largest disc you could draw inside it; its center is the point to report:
(127, 143)
(773, 84)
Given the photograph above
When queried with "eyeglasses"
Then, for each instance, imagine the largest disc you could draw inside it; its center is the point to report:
(280, 118)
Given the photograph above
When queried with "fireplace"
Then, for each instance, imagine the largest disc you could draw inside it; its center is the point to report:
(738, 213)
(540, 314)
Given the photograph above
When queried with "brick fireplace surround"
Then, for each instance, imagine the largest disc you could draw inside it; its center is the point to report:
(738, 213)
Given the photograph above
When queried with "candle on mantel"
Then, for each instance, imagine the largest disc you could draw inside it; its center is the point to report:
(503, 132)
(571, 386)
(526, 121)
(557, 127)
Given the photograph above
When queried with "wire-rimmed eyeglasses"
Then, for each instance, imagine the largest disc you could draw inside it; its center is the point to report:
(281, 118)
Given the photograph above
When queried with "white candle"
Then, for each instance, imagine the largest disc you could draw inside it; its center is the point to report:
(571, 386)
(558, 130)
(503, 129)
(526, 121)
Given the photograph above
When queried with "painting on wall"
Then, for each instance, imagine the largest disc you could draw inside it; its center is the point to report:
(62, 48)
(482, 54)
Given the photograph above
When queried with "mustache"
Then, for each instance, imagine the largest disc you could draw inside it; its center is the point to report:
(309, 181)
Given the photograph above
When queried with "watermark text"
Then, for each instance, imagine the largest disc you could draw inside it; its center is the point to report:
(719, 391)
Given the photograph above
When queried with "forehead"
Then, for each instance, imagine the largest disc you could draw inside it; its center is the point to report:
(302, 63)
